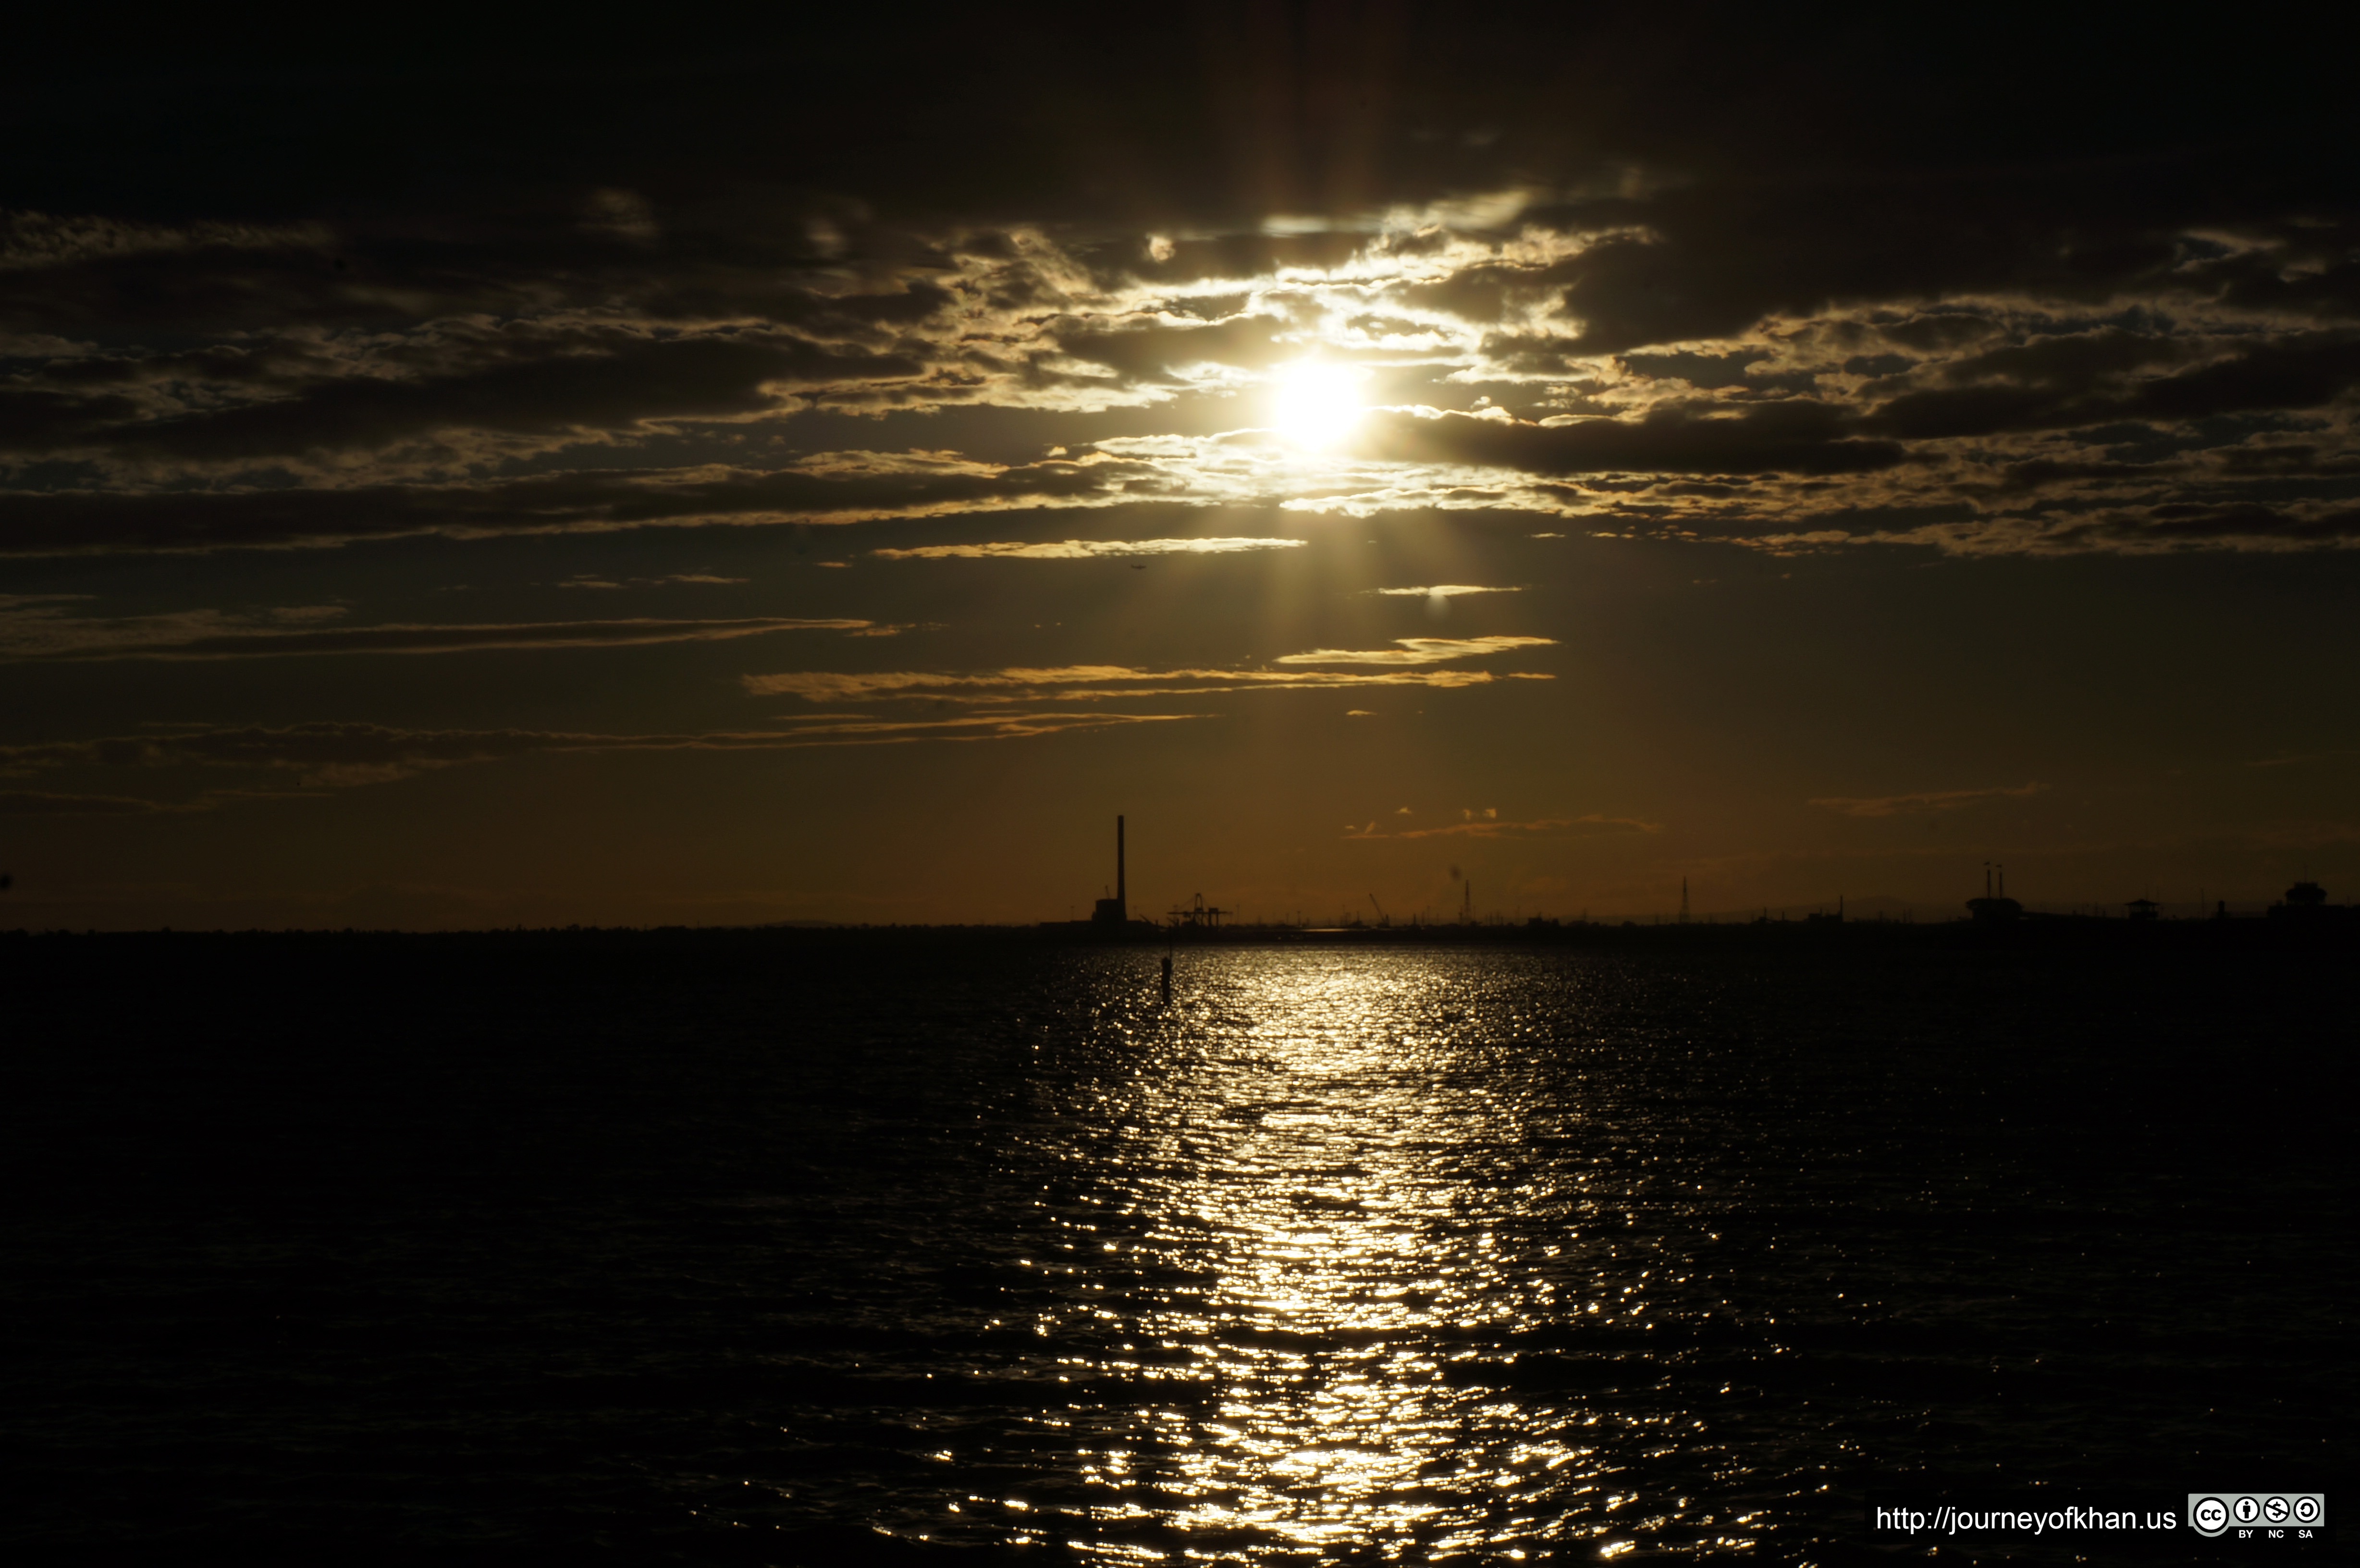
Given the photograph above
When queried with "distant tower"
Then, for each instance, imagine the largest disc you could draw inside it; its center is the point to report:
(1466, 903)
(1114, 911)
(1684, 901)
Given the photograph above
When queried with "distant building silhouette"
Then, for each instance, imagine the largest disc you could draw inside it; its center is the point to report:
(1995, 908)
(2143, 909)
(2306, 903)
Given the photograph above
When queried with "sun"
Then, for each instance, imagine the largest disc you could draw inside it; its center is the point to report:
(1315, 405)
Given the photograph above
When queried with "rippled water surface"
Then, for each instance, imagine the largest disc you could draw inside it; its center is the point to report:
(764, 1253)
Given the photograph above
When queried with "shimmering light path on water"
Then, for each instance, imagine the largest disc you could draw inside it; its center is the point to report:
(744, 1254)
(1339, 1195)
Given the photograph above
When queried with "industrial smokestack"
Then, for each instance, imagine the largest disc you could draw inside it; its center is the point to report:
(1115, 911)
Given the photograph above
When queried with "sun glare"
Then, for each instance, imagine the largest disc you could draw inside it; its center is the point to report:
(1315, 405)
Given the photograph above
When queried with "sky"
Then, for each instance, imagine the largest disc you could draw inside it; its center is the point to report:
(687, 471)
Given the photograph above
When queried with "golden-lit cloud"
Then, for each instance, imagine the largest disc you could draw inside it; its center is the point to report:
(589, 580)
(1418, 650)
(1627, 350)
(1441, 590)
(1087, 682)
(981, 726)
(1085, 549)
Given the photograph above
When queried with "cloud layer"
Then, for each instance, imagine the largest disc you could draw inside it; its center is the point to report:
(325, 757)
(1086, 549)
(49, 631)
(1418, 650)
(1928, 800)
(1639, 277)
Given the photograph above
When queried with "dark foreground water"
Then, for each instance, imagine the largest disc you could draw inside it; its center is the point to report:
(770, 1249)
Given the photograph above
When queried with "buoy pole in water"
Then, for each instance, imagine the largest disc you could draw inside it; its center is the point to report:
(1167, 977)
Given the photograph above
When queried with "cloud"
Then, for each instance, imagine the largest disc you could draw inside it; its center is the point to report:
(586, 580)
(34, 802)
(836, 487)
(1748, 323)
(1440, 591)
(1156, 349)
(985, 726)
(606, 383)
(1084, 682)
(332, 755)
(1418, 650)
(1930, 801)
(2009, 390)
(31, 242)
(1490, 826)
(1086, 549)
(39, 633)
(1795, 437)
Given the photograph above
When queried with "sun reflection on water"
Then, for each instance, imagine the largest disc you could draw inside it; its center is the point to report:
(1335, 1234)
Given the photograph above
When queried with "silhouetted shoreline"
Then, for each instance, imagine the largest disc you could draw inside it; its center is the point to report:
(2063, 932)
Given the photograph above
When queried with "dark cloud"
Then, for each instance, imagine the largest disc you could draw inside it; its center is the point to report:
(858, 485)
(2199, 523)
(1155, 351)
(332, 756)
(37, 802)
(1705, 371)
(35, 636)
(2073, 384)
(596, 382)
(1786, 437)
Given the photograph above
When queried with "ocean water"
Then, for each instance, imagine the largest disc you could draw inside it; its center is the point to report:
(773, 1249)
